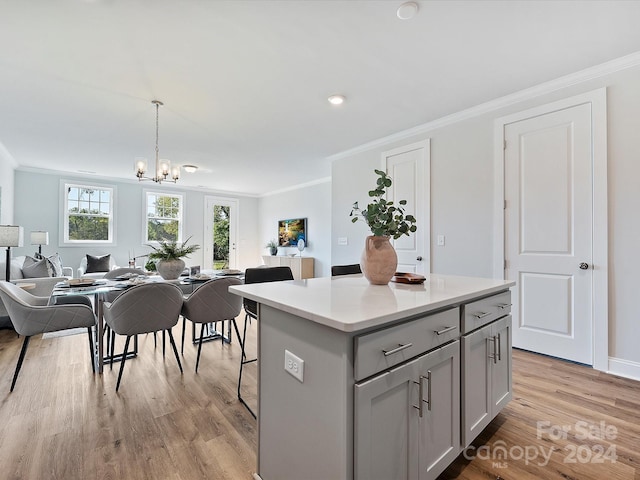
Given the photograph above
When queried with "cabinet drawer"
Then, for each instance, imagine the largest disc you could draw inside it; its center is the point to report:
(377, 351)
(484, 311)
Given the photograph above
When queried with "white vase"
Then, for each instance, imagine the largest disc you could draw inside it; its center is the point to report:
(170, 269)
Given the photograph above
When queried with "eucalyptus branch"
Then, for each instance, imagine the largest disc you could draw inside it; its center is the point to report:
(384, 217)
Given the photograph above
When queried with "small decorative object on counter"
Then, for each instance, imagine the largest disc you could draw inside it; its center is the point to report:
(272, 245)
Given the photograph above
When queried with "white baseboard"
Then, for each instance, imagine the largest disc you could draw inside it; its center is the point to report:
(624, 368)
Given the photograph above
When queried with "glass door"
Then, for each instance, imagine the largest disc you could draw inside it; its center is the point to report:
(220, 233)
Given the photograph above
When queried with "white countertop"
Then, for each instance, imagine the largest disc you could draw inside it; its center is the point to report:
(350, 304)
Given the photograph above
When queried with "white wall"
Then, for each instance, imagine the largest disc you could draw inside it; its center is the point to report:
(37, 207)
(462, 208)
(7, 186)
(312, 202)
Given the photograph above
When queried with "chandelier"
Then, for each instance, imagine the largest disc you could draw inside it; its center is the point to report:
(163, 167)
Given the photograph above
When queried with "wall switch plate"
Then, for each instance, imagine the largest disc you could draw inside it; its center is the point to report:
(294, 365)
(441, 240)
(343, 241)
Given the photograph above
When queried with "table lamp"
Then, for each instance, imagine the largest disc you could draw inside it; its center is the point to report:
(10, 236)
(39, 238)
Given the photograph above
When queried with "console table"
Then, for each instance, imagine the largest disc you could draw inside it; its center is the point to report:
(359, 381)
(301, 267)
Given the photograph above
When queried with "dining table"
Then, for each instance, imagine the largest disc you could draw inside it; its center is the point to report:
(97, 291)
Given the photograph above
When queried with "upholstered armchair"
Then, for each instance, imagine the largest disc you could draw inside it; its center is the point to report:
(97, 267)
(32, 315)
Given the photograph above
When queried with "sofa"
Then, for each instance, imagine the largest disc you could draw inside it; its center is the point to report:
(43, 285)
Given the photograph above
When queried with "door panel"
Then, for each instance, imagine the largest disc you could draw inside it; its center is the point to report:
(408, 167)
(548, 231)
(220, 231)
(386, 426)
(440, 424)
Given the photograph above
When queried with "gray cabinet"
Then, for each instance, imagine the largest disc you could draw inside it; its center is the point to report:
(486, 375)
(407, 421)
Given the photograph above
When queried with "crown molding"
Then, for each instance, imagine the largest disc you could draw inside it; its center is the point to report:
(629, 61)
(7, 157)
(111, 180)
(297, 187)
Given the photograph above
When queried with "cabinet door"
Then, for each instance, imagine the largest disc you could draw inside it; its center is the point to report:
(386, 425)
(440, 422)
(393, 440)
(476, 383)
(501, 368)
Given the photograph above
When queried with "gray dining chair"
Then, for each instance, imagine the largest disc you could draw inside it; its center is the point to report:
(337, 270)
(33, 315)
(211, 302)
(145, 308)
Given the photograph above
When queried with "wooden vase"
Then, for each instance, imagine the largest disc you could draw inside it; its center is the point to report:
(379, 260)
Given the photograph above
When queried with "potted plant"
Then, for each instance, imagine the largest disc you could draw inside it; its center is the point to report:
(272, 245)
(168, 256)
(385, 219)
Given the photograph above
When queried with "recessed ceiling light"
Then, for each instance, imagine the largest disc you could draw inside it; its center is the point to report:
(189, 168)
(336, 99)
(407, 10)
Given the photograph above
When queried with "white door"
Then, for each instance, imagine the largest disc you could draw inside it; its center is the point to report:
(548, 231)
(409, 169)
(220, 232)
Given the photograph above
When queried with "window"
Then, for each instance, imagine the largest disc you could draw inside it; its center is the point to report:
(164, 217)
(88, 214)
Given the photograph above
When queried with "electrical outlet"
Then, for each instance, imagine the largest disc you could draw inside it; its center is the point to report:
(293, 365)
(343, 241)
(441, 240)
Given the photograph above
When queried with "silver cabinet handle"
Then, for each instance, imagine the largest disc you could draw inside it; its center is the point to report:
(502, 306)
(428, 389)
(421, 400)
(445, 330)
(399, 348)
(498, 353)
(494, 355)
(420, 396)
(481, 314)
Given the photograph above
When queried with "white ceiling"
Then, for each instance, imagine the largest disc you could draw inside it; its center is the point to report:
(245, 82)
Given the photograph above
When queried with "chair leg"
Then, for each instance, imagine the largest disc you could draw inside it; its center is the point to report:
(124, 357)
(242, 362)
(93, 366)
(235, 326)
(155, 340)
(23, 351)
(199, 347)
(164, 343)
(184, 328)
(175, 349)
(113, 348)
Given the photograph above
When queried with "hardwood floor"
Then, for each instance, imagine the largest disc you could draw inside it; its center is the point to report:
(63, 422)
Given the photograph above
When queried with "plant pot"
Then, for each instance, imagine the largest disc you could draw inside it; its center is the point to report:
(170, 269)
(273, 250)
(379, 260)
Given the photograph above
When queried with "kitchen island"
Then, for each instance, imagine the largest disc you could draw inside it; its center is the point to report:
(368, 381)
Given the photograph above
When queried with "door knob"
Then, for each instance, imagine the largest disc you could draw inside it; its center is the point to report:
(419, 258)
(584, 266)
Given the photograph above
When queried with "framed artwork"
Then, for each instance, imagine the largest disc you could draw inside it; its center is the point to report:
(292, 230)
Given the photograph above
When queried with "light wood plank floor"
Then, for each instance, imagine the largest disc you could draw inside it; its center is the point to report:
(63, 422)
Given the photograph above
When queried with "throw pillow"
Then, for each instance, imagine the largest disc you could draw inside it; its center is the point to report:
(33, 268)
(98, 264)
(55, 265)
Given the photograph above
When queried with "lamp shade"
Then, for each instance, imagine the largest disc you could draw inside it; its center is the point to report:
(39, 238)
(11, 236)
